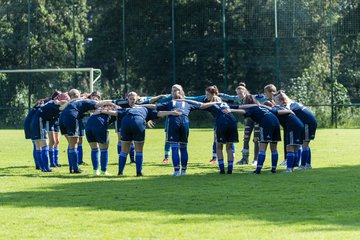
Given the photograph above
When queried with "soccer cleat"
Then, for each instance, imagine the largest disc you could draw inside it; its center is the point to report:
(222, 171)
(71, 170)
(284, 163)
(256, 172)
(78, 171)
(58, 165)
(288, 170)
(243, 161)
(229, 172)
(139, 174)
(83, 163)
(308, 167)
(212, 161)
(96, 172)
(165, 161)
(105, 173)
(254, 163)
(37, 168)
(273, 170)
(120, 174)
(300, 168)
(183, 173)
(52, 165)
(132, 161)
(176, 174)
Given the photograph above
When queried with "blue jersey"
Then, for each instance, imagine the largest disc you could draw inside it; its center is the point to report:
(77, 108)
(50, 111)
(27, 122)
(305, 115)
(219, 115)
(181, 106)
(235, 99)
(262, 115)
(100, 120)
(143, 112)
(289, 121)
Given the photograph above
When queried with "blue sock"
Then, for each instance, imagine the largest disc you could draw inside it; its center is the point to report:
(73, 153)
(122, 162)
(80, 153)
(214, 156)
(184, 156)
(36, 161)
(308, 161)
(167, 150)
(95, 158)
(44, 157)
(175, 156)
(104, 158)
(119, 148)
(139, 161)
(132, 152)
(230, 165)
(69, 157)
(298, 156)
(40, 162)
(290, 158)
(260, 160)
(274, 159)
(221, 164)
(56, 156)
(51, 157)
(305, 156)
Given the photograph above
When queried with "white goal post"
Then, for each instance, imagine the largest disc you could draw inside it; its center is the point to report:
(90, 70)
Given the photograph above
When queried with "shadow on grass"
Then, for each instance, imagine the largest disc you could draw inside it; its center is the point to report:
(321, 196)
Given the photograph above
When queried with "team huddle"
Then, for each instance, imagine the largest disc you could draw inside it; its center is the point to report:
(264, 114)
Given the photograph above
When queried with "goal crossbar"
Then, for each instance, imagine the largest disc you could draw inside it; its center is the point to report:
(90, 70)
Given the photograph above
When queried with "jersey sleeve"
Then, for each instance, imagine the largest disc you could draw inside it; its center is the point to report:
(163, 106)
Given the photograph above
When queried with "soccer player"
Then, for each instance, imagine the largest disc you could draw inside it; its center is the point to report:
(309, 121)
(28, 132)
(41, 123)
(97, 135)
(133, 125)
(226, 132)
(177, 128)
(71, 125)
(269, 129)
(293, 134)
(250, 125)
(131, 100)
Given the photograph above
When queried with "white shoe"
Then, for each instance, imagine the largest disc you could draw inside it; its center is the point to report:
(284, 163)
(254, 163)
(176, 174)
(106, 173)
(288, 170)
(183, 173)
(96, 172)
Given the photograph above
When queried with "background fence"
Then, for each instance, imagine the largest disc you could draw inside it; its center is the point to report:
(309, 48)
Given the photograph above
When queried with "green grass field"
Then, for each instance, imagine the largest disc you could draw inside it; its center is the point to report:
(322, 203)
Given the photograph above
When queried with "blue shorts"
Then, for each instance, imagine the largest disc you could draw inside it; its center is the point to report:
(270, 133)
(177, 132)
(97, 134)
(54, 127)
(133, 128)
(309, 131)
(226, 133)
(71, 126)
(39, 128)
